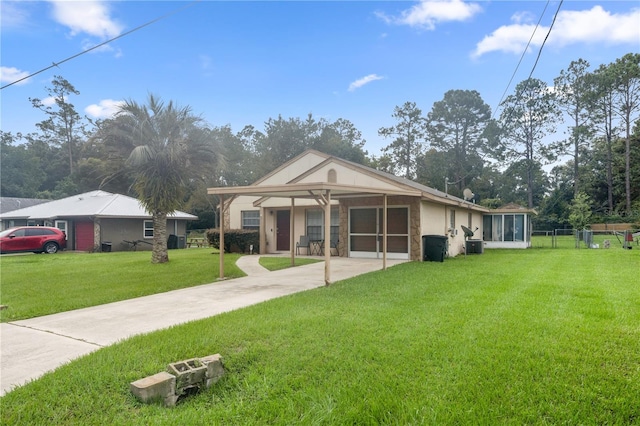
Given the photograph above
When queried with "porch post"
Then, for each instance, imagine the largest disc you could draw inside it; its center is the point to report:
(292, 237)
(384, 233)
(221, 236)
(327, 239)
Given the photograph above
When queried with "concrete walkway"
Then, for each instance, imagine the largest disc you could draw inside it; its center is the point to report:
(30, 348)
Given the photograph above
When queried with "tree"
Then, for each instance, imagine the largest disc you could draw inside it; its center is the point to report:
(64, 126)
(409, 134)
(626, 74)
(580, 211)
(168, 149)
(21, 174)
(456, 124)
(282, 140)
(342, 139)
(527, 117)
(572, 92)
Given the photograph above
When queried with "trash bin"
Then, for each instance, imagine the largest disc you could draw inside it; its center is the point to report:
(475, 247)
(106, 247)
(182, 242)
(172, 242)
(434, 247)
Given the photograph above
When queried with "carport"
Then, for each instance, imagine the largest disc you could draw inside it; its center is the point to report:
(321, 192)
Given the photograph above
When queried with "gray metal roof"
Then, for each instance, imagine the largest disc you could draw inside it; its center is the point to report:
(100, 204)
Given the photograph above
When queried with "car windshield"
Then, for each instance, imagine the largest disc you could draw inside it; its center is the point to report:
(7, 232)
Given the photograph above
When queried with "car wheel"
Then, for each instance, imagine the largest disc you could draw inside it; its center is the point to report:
(50, 247)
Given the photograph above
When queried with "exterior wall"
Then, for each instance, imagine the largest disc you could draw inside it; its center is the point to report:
(436, 220)
(116, 231)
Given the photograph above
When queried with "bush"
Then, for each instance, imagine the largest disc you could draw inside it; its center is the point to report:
(235, 240)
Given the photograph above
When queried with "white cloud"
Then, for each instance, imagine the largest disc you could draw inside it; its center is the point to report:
(428, 13)
(106, 108)
(90, 17)
(48, 101)
(11, 74)
(13, 15)
(595, 25)
(364, 80)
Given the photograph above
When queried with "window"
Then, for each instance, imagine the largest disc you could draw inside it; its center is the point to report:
(519, 228)
(250, 219)
(147, 229)
(34, 232)
(315, 224)
(508, 227)
(486, 228)
(452, 220)
(497, 228)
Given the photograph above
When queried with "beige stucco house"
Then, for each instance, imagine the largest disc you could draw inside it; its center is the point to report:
(324, 198)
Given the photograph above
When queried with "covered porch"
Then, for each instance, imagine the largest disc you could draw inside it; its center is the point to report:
(323, 194)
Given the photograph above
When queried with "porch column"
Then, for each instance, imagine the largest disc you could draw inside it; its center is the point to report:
(221, 236)
(327, 238)
(292, 237)
(384, 232)
(263, 227)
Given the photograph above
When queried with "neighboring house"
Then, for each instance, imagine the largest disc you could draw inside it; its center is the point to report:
(508, 227)
(99, 220)
(8, 204)
(293, 201)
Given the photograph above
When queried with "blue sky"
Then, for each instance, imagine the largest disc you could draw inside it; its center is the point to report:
(241, 63)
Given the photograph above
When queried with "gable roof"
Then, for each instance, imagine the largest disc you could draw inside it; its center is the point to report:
(304, 186)
(99, 204)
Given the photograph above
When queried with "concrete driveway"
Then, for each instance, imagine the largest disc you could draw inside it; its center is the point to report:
(30, 348)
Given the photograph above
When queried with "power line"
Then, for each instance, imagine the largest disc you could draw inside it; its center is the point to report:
(522, 57)
(55, 64)
(545, 38)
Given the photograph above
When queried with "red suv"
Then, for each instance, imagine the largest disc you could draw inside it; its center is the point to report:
(38, 239)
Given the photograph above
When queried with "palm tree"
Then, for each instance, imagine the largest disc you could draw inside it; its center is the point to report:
(168, 148)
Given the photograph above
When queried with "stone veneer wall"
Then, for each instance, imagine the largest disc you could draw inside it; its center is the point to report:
(415, 239)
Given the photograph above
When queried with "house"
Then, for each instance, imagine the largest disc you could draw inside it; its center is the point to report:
(326, 198)
(8, 204)
(508, 227)
(98, 220)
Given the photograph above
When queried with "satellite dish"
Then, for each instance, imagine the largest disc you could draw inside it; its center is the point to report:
(468, 233)
(468, 194)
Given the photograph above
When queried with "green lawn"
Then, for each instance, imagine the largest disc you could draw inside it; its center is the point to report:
(35, 285)
(277, 263)
(507, 337)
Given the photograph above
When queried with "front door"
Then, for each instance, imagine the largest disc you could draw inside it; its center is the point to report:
(84, 236)
(283, 224)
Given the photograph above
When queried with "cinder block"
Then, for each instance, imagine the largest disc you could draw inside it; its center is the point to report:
(188, 373)
(161, 386)
(215, 369)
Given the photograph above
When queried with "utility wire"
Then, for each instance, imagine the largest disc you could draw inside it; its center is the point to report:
(55, 64)
(521, 58)
(546, 37)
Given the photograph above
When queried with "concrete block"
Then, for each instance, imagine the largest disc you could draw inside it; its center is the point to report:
(188, 373)
(215, 369)
(159, 387)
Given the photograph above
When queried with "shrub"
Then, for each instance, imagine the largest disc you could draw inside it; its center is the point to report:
(235, 240)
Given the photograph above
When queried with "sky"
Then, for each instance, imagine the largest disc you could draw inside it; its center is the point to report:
(241, 63)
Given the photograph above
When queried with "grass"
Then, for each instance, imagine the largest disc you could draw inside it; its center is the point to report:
(276, 263)
(36, 285)
(507, 337)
